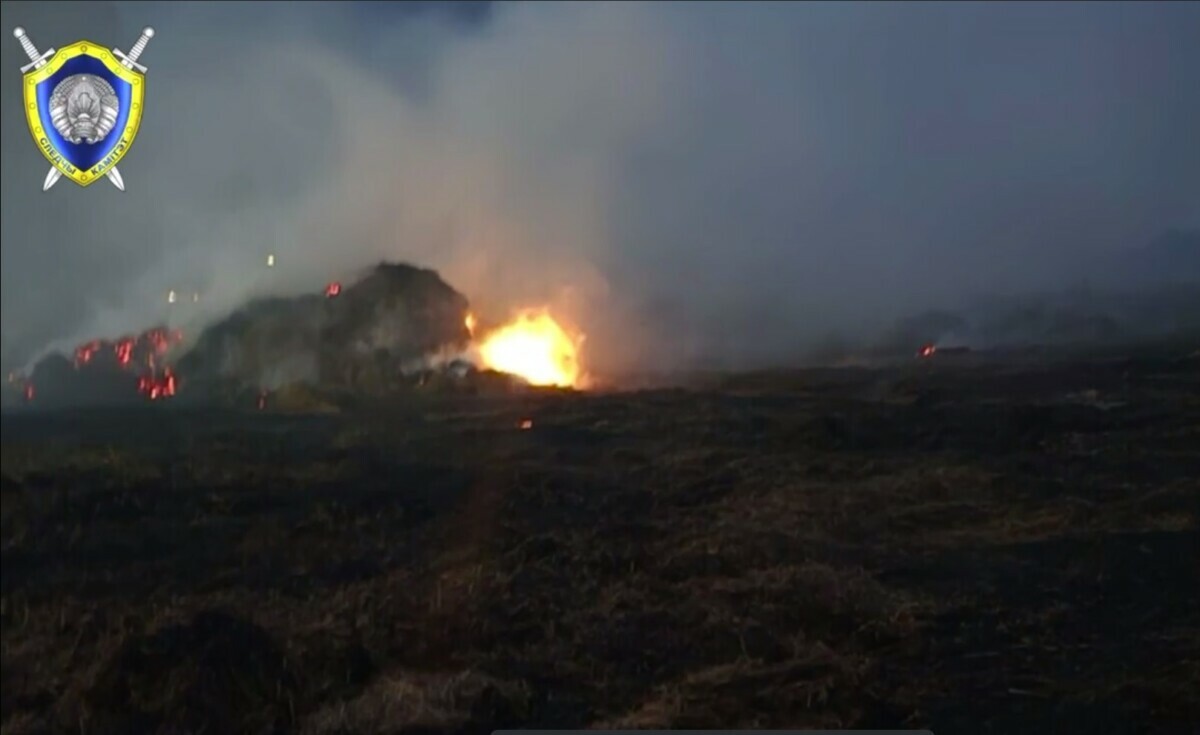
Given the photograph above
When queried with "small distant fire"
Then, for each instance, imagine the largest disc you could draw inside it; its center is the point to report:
(333, 288)
(932, 350)
(469, 323)
(535, 347)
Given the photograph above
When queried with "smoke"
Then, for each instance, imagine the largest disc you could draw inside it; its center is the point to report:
(678, 181)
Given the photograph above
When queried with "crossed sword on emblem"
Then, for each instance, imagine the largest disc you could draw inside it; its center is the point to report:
(129, 61)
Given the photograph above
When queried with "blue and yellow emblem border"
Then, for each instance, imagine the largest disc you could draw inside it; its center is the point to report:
(136, 81)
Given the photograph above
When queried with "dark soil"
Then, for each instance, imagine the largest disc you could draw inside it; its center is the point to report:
(967, 546)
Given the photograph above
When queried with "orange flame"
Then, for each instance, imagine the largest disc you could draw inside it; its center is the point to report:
(535, 347)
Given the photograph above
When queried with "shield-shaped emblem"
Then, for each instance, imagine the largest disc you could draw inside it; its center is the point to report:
(84, 108)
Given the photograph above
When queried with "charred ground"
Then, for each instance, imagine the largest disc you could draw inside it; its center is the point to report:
(972, 546)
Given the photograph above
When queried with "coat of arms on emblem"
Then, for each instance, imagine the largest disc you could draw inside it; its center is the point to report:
(83, 103)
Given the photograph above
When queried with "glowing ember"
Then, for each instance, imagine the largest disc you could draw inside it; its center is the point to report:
(927, 351)
(85, 352)
(161, 340)
(525, 424)
(124, 350)
(155, 387)
(533, 346)
(333, 289)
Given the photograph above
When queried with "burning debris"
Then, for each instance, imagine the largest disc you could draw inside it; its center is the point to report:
(398, 328)
(155, 387)
(131, 368)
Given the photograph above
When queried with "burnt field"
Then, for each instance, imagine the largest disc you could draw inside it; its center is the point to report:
(963, 545)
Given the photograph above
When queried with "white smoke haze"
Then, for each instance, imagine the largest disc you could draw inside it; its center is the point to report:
(679, 181)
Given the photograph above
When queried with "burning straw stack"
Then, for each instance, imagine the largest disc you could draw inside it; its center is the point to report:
(361, 340)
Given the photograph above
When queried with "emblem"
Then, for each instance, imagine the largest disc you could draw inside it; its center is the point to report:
(84, 103)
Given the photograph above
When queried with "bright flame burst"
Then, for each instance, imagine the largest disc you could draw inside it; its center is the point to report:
(534, 347)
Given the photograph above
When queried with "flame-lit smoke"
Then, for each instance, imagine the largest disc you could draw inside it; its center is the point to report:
(534, 347)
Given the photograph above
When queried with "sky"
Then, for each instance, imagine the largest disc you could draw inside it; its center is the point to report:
(679, 181)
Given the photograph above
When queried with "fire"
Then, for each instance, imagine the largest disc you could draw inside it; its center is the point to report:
(155, 386)
(333, 289)
(469, 323)
(927, 351)
(124, 350)
(143, 355)
(535, 347)
(85, 352)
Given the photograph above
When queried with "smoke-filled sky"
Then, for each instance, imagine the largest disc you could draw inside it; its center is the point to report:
(680, 180)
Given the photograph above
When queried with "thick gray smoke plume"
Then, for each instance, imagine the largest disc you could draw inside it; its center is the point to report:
(679, 180)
